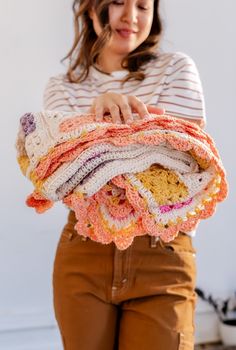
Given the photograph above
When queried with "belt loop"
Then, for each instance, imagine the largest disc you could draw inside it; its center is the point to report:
(70, 235)
(153, 241)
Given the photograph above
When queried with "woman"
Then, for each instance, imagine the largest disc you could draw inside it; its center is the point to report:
(142, 297)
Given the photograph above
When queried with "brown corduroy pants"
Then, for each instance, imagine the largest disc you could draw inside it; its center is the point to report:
(141, 298)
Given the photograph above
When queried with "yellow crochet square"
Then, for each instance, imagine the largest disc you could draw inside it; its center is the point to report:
(164, 184)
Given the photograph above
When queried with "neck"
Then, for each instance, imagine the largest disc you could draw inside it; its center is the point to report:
(108, 64)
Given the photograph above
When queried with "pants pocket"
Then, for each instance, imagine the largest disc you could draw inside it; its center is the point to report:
(69, 238)
(181, 245)
(186, 341)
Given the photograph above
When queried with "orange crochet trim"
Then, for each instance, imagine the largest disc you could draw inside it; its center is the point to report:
(39, 202)
(70, 150)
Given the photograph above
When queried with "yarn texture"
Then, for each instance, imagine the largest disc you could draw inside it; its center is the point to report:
(154, 176)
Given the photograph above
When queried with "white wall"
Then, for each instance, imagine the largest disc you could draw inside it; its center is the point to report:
(205, 29)
(34, 36)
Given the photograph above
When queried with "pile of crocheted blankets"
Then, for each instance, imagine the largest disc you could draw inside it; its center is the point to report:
(155, 176)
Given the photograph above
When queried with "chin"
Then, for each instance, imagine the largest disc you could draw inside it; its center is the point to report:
(123, 49)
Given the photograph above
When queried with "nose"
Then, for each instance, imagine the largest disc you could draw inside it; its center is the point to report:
(129, 14)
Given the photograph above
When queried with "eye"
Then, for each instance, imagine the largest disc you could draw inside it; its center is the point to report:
(143, 8)
(122, 3)
(117, 3)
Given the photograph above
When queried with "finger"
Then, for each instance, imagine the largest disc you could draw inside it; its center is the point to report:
(126, 112)
(139, 107)
(115, 113)
(155, 110)
(90, 110)
(99, 111)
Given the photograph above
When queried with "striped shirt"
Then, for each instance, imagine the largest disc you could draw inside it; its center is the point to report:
(171, 82)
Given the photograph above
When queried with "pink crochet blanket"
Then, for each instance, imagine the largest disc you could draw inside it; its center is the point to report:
(155, 176)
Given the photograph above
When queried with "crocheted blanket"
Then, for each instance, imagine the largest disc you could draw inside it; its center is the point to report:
(155, 176)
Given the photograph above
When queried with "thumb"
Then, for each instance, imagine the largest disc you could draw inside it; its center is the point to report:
(156, 110)
(90, 110)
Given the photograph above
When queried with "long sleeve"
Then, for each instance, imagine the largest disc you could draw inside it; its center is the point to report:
(55, 96)
(182, 94)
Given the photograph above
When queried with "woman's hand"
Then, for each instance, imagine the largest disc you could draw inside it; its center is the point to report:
(119, 106)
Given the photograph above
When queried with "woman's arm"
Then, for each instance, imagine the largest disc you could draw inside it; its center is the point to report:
(200, 122)
(54, 96)
(182, 94)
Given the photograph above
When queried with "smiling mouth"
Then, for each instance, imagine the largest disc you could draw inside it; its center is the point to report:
(125, 33)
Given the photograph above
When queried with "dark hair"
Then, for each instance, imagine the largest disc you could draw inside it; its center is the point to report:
(87, 44)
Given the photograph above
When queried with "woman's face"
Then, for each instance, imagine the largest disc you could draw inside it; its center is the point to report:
(130, 21)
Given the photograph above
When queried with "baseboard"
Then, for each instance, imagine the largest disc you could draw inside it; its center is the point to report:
(32, 330)
(34, 339)
(48, 346)
(32, 318)
(207, 324)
